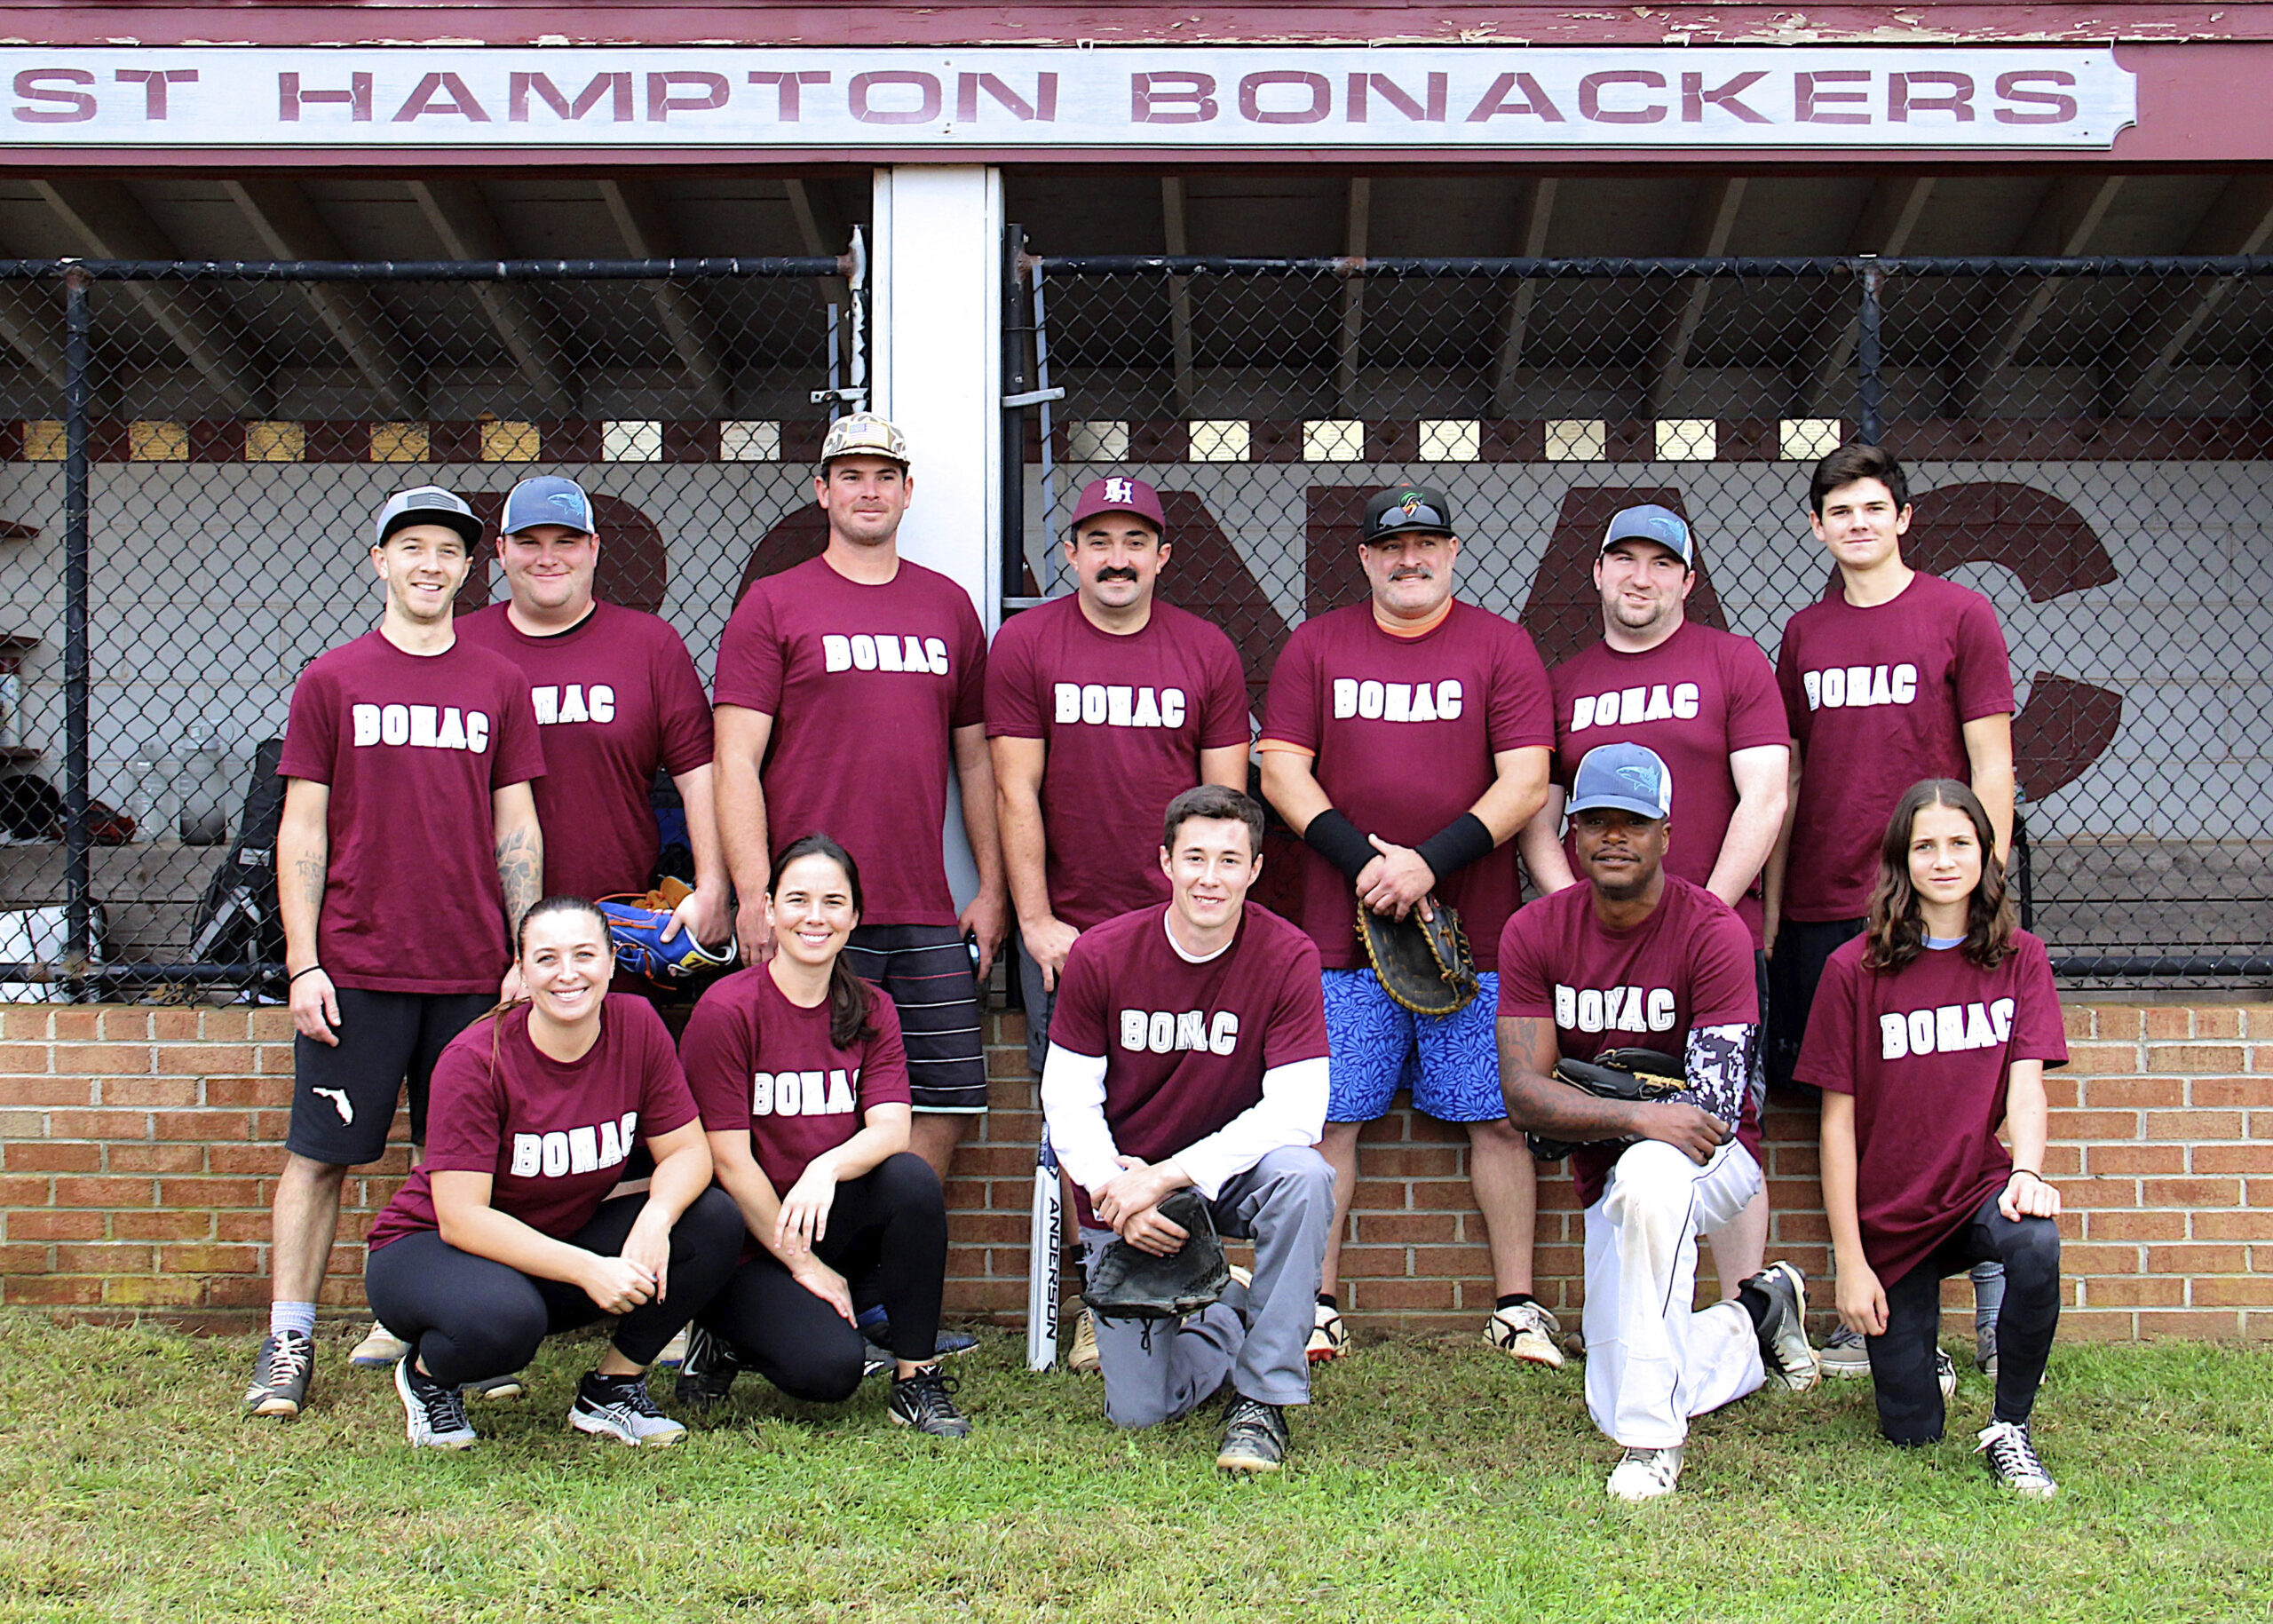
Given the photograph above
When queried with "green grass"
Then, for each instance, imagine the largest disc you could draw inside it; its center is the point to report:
(1430, 1481)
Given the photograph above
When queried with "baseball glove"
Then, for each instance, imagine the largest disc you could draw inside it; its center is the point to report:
(1615, 1074)
(637, 923)
(1131, 1284)
(1423, 964)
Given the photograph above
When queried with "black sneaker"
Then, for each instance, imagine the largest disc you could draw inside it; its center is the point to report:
(433, 1414)
(1784, 1332)
(2012, 1459)
(619, 1407)
(944, 1344)
(926, 1401)
(279, 1375)
(1255, 1437)
(707, 1374)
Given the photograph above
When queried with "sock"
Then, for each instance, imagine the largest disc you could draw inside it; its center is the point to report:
(1326, 1299)
(1754, 1301)
(1515, 1299)
(601, 1380)
(299, 1317)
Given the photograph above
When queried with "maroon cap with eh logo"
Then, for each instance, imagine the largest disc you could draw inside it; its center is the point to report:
(1119, 493)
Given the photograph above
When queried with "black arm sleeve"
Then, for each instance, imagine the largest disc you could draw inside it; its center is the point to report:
(1336, 839)
(1456, 845)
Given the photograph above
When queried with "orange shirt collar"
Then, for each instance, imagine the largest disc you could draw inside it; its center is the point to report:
(1406, 629)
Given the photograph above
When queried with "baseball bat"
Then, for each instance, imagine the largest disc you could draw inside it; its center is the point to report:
(1046, 1234)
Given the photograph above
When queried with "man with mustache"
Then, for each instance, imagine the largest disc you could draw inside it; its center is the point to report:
(1406, 739)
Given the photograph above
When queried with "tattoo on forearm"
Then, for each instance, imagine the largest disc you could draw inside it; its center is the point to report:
(309, 871)
(521, 872)
(1718, 1062)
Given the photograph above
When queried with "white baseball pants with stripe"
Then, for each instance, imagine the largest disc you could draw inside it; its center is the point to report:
(1651, 1363)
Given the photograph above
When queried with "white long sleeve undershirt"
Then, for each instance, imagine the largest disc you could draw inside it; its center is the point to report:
(1291, 1112)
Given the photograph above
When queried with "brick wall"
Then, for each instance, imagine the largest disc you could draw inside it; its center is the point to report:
(139, 1150)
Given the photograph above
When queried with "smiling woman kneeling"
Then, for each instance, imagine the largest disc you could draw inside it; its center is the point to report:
(799, 1069)
(506, 1233)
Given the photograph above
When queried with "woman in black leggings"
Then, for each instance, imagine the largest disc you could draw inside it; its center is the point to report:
(1932, 1029)
(802, 1078)
(506, 1233)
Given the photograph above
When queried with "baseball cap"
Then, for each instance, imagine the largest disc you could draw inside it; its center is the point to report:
(426, 504)
(1630, 777)
(1119, 493)
(1649, 522)
(1406, 507)
(863, 434)
(548, 499)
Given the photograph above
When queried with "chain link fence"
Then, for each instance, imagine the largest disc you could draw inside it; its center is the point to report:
(2086, 442)
(190, 457)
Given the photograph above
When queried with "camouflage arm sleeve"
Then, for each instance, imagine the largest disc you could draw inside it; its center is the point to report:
(1718, 1064)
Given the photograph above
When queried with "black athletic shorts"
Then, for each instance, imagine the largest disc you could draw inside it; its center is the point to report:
(344, 1097)
(926, 970)
(1803, 948)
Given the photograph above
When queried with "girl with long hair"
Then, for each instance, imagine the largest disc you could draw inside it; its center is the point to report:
(802, 1078)
(1931, 1031)
(507, 1232)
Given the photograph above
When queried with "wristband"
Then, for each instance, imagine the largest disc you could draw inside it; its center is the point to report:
(2017, 1172)
(1456, 845)
(296, 974)
(1336, 839)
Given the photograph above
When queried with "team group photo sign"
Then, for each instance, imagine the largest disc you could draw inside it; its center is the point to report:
(1166, 97)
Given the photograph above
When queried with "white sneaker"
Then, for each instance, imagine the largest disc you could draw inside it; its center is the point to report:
(1329, 1337)
(1846, 1354)
(433, 1413)
(1527, 1331)
(1646, 1474)
(1945, 1374)
(620, 1409)
(380, 1349)
(2012, 1459)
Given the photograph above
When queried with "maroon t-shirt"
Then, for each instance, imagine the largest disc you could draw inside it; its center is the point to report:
(553, 1134)
(1186, 1045)
(1878, 699)
(1123, 720)
(616, 697)
(1404, 730)
(758, 1062)
(866, 685)
(412, 746)
(1926, 1051)
(1688, 964)
(1695, 699)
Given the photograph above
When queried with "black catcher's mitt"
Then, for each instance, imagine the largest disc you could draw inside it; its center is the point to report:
(1423, 964)
(1615, 1074)
(1131, 1284)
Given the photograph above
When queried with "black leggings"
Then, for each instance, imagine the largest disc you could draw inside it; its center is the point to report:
(888, 1237)
(472, 1318)
(1902, 1361)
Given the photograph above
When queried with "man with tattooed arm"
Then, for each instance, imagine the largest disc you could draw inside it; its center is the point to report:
(407, 760)
(1634, 957)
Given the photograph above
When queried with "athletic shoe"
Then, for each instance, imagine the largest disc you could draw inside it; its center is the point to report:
(674, 1353)
(2012, 1459)
(1645, 1474)
(1245, 1277)
(619, 1407)
(279, 1375)
(1845, 1355)
(926, 1401)
(1082, 1361)
(380, 1349)
(1329, 1337)
(1784, 1334)
(1945, 1374)
(707, 1375)
(1526, 1331)
(433, 1411)
(1984, 1352)
(491, 1389)
(1255, 1437)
